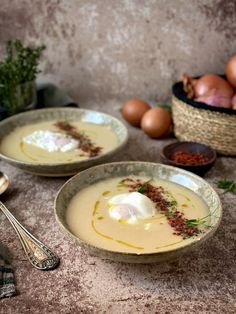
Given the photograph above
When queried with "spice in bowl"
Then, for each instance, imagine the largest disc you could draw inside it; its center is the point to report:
(189, 158)
(192, 156)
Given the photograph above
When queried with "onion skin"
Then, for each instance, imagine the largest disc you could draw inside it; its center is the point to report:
(208, 82)
(234, 102)
(215, 98)
(188, 85)
(230, 70)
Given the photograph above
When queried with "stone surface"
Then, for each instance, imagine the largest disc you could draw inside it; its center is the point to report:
(201, 282)
(120, 49)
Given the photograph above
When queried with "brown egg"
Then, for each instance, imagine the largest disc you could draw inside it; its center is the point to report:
(156, 122)
(133, 110)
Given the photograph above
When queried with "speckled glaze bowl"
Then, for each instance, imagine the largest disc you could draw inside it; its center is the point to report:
(105, 171)
(63, 169)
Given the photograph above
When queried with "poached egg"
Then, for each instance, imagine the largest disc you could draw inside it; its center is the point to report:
(51, 141)
(131, 207)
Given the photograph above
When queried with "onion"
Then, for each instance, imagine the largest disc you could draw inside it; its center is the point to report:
(234, 102)
(208, 82)
(210, 89)
(215, 98)
(230, 70)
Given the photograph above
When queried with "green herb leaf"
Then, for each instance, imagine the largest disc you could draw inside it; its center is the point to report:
(227, 185)
(19, 66)
(141, 190)
(173, 203)
(168, 213)
(165, 106)
(196, 223)
(192, 222)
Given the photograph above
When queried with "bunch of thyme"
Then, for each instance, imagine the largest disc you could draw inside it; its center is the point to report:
(19, 66)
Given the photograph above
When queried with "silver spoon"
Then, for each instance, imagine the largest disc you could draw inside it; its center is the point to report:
(39, 255)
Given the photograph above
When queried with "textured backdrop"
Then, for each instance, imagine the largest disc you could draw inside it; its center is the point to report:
(104, 49)
(100, 50)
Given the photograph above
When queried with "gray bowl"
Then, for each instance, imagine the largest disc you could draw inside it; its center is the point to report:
(63, 169)
(159, 171)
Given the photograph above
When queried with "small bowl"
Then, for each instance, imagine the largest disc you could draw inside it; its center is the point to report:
(191, 147)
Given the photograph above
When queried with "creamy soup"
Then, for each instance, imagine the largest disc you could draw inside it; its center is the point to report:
(137, 215)
(58, 142)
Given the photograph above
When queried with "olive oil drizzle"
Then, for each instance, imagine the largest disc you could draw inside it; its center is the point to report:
(99, 233)
(106, 193)
(96, 208)
(110, 238)
(23, 151)
(130, 245)
(160, 247)
(186, 197)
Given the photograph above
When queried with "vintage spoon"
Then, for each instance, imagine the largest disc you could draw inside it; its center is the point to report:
(39, 255)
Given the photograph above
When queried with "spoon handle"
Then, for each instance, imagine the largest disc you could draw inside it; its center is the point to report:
(39, 255)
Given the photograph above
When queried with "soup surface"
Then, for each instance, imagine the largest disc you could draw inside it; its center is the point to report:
(137, 215)
(58, 141)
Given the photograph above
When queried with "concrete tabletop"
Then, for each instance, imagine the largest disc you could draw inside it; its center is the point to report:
(200, 282)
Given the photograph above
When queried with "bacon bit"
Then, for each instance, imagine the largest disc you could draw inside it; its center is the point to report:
(85, 144)
(174, 217)
(180, 224)
(65, 126)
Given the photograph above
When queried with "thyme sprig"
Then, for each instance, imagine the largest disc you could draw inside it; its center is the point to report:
(227, 185)
(197, 222)
(19, 66)
(142, 188)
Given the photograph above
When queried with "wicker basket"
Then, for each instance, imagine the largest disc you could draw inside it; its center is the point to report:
(195, 121)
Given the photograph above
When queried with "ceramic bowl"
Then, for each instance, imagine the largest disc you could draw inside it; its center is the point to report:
(159, 171)
(191, 147)
(63, 169)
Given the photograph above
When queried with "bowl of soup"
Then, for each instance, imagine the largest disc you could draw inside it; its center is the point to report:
(60, 141)
(138, 212)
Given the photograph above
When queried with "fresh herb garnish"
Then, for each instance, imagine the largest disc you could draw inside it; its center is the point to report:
(195, 222)
(141, 190)
(19, 66)
(165, 106)
(173, 203)
(227, 185)
(168, 213)
(142, 187)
